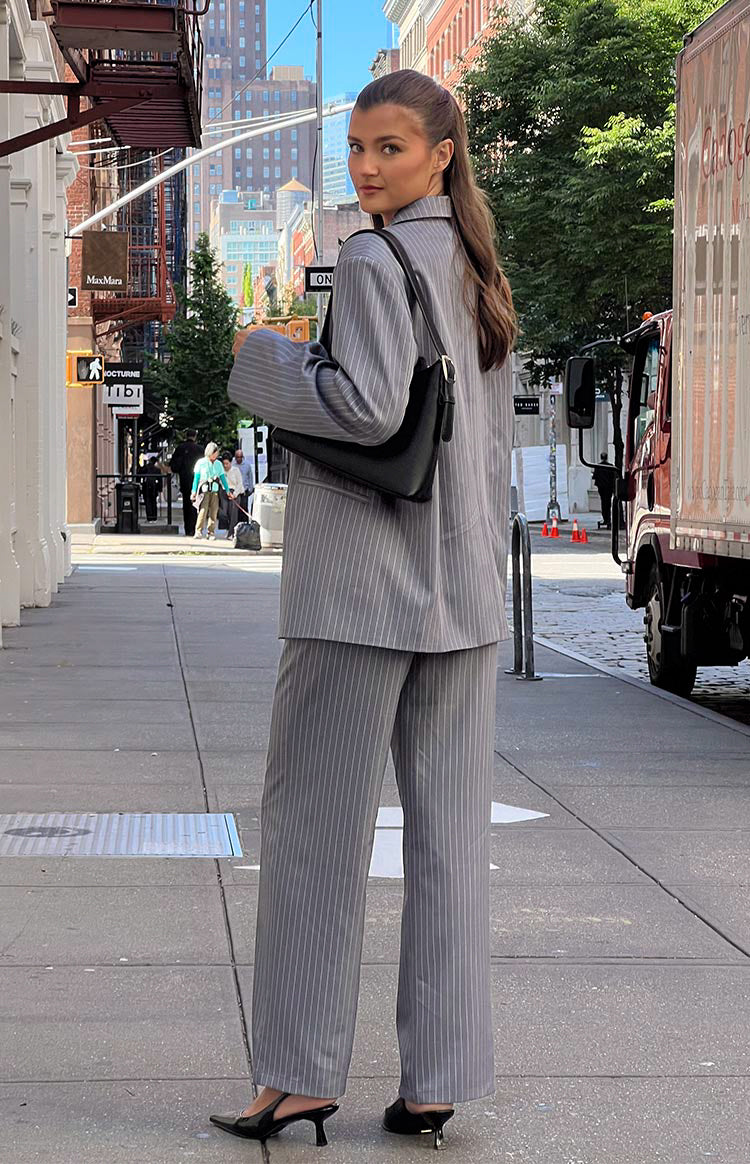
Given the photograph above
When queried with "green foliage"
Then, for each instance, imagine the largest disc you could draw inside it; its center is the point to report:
(192, 381)
(247, 285)
(571, 126)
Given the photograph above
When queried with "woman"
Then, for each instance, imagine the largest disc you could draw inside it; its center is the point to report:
(391, 613)
(207, 477)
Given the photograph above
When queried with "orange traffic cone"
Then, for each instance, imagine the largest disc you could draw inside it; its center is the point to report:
(583, 540)
(554, 532)
(545, 531)
(576, 536)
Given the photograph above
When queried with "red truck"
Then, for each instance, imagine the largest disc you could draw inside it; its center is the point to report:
(685, 484)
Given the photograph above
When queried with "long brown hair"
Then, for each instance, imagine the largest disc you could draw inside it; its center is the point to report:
(488, 293)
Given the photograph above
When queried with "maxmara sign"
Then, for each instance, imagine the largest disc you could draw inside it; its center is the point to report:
(104, 262)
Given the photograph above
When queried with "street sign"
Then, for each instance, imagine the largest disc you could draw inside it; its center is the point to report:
(526, 405)
(89, 370)
(318, 278)
(72, 296)
(123, 388)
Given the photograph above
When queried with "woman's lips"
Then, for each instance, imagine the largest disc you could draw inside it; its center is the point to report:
(370, 189)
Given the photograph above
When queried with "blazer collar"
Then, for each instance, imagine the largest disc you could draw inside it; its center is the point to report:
(436, 206)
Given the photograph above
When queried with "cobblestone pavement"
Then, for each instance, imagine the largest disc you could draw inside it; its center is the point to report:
(579, 603)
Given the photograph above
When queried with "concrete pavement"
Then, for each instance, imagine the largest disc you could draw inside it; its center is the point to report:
(620, 928)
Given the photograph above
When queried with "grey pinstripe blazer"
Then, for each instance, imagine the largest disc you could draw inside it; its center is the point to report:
(357, 568)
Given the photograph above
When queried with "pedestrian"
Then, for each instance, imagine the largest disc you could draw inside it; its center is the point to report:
(150, 476)
(183, 463)
(236, 494)
(208, 477)
(604, 479)
(247, 470)
(391, 611)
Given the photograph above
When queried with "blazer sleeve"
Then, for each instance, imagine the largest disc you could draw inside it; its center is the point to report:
(357, 393)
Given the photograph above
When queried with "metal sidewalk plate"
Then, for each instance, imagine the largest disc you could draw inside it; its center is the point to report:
(119, 834)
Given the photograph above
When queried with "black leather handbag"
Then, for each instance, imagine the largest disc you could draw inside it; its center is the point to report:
(404, 466)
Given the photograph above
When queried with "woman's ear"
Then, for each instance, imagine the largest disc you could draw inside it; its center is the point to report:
(443, 154)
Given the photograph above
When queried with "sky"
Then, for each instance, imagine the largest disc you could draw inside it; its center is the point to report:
(349, 46)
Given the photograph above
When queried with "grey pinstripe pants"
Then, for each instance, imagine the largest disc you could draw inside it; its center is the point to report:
(337, 709)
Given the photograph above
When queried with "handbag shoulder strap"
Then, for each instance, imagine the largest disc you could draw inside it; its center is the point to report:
(412, 279)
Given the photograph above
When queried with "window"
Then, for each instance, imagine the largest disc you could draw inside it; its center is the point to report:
(237, 152)
(242, 62)
(276, 95)
(196, 208)
(197, 188)
(237, 114)
(277, 135)
(196, 226)
(278, 171)
(294, 135)
(249, 153)
(212, 170)
(257, 62)
(294, 171)
(294, 154)
(257, 46)
(242, 23)
(266, 172)
(277, 155)
(219, 168)
(249, 172)
(294, 96)
(242, 42)
(265, 91)
(644, 386)
(266, 155)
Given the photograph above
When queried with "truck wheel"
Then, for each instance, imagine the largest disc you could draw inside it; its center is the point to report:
(675, 675)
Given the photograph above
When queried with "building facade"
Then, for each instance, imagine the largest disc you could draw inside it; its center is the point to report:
(386, 61)
(34, 537)
(244, 238)
(412, 34)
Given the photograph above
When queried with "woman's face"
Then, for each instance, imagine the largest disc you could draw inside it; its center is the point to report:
(227, 464)
(391, 161)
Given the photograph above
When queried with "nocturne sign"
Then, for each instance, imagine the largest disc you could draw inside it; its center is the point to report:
(104, 262)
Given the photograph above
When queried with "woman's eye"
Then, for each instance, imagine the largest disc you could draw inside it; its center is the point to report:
(391, 149)
(355, 149)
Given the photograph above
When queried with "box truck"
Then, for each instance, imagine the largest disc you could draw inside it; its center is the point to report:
(685, 484)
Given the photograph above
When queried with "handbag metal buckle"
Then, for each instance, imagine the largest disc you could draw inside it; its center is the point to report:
(449, 368)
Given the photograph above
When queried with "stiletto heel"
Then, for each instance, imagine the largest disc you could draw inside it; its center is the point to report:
(320, 1132)
(436, 1120)
(403, 1122)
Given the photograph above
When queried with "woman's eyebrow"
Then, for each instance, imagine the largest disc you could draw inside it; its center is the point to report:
(378, 140)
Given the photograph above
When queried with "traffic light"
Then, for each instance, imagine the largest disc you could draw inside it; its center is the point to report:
(89, 369)
(84, 368)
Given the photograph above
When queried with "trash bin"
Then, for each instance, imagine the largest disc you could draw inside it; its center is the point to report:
(269, 505)
(127, 507)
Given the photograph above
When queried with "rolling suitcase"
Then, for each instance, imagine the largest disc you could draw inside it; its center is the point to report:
(247, 535)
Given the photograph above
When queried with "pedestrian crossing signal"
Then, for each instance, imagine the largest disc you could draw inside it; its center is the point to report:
(89, 370)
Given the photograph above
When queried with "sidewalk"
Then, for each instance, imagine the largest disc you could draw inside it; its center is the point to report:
(620, 927)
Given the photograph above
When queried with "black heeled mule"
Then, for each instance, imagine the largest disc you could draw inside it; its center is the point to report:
(262, 1125)
(403, 1122)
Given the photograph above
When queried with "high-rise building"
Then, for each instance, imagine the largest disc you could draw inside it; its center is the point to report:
(236, 87)
(337, 185)
(244, 237)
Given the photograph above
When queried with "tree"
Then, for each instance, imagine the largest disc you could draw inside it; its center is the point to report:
(247, 285)
(571, 127)
(192, 381)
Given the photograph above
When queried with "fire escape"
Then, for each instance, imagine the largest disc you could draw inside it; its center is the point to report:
(138, 66)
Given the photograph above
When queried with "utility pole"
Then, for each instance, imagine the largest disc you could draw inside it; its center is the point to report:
(319, 150)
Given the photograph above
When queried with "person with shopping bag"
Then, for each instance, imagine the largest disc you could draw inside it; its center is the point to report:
(392, 605)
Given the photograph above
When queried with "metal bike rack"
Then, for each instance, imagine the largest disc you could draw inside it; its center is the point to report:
(523, 615)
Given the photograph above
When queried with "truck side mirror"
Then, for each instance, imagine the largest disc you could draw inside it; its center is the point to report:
(580, 392)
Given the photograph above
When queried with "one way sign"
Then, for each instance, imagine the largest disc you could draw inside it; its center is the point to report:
(72, 296)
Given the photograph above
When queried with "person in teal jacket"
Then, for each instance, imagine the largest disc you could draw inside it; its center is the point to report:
(208, 476)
